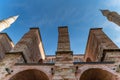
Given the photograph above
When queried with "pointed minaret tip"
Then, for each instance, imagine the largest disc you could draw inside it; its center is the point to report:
(105, 12)
(101, 10)
(7, 22)
(12, 19)
(15, 17)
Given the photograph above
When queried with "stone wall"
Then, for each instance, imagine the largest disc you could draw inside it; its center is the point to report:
(106, 68)
(7, 63)
(112, 55)
(22, 71)
(52, 58)
(78, 58)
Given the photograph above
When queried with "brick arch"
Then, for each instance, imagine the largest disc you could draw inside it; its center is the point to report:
(97, 74)
(103, 67)
(30, 74)
(82, 69)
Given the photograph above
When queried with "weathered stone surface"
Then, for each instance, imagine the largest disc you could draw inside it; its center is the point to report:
(8, 62)
(97, 42)
(111, 55)
(6, 44)
(63, 39)
(64, 69)
(64, 65)
(31, 46)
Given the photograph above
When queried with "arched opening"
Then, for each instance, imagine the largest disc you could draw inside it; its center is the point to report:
(88, 60)
(97, 74)
(30, 75)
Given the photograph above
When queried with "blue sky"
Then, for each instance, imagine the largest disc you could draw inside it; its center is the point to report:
(78, 15)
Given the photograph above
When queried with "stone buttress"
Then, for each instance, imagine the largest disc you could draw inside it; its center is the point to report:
(6, 44)
(64, 57)
(97, 42)
(31, 46)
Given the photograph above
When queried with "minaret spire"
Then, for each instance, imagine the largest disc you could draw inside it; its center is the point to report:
(111, 16)
(105, 12)
(7, 22)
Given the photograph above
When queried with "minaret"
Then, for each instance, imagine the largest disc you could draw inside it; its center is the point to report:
(7, 22)
(112, 16)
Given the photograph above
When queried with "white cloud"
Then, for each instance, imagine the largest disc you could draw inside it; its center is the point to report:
(113, 3)
(117, 40)
(112, 25)
(113, 31)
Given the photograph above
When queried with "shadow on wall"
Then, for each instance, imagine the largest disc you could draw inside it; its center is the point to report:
(97, 74)
(31, 74)
(88, 60)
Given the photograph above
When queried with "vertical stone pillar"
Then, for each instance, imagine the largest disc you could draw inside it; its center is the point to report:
(64, 57)
(63, 39)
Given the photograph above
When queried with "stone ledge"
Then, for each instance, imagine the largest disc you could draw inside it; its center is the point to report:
(31, 64)
(21, 53)
(112, 62)
(63, 27)
(96, 29)
(111, 50)
(63, 52)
